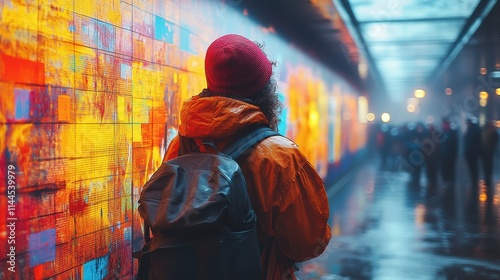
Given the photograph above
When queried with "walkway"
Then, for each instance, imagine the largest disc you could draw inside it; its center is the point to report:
(385, 229)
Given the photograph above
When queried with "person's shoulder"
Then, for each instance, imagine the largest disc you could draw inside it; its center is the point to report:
(278, 148)
(279, 141)
(280, 154)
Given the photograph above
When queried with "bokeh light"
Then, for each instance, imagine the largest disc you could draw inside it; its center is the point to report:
(370, 117)
(413, 101)
(419, 93)
(385, 117)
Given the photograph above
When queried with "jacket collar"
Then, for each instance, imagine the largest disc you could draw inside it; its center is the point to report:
(217, 117)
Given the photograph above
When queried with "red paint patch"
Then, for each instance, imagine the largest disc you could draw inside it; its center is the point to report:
(77, 202)
(22, 71)
(38, 272)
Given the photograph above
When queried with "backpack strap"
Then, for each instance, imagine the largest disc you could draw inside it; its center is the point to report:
(250, 138)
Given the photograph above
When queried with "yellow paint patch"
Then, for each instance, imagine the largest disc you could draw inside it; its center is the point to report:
(121, 108)
(21, 15)
(136, 133)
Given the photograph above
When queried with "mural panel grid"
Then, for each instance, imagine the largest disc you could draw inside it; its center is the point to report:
(91, 92)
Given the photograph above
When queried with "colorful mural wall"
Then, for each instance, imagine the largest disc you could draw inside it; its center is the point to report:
(90, 94)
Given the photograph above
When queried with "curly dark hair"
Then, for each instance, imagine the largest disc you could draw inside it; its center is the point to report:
(267, 99)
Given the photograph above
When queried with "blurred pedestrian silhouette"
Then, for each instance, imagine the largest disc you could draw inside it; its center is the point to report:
(490, 142)
(448, 152)
(431, 158)
(472, 153)
(416, 155)
(384, 143)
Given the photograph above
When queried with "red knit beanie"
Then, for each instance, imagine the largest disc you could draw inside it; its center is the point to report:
(236, 66)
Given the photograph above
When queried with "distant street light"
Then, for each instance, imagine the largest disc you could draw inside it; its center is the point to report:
(385, 117)
(370, 117)
(483, 95)
(419, 93)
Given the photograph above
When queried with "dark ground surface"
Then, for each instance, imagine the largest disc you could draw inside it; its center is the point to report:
(384, 228)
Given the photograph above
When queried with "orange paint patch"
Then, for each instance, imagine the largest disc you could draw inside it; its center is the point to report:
(64, 108)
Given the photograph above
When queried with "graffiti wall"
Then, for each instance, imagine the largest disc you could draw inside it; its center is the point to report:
(90, 94)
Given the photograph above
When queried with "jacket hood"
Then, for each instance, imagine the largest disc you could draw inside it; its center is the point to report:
(217, 117)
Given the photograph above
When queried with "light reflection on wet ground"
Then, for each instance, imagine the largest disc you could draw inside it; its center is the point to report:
(384, 228)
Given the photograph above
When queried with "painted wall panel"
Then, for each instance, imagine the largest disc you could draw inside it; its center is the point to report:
(90, 98)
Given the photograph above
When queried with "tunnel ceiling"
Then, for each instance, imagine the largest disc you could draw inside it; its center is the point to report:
(315, 27)
(413, 41)
(406, 44)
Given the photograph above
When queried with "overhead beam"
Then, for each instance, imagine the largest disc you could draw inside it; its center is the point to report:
(470, 27)
(409, 20)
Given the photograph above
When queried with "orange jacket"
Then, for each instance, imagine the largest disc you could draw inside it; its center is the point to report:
(286, 193)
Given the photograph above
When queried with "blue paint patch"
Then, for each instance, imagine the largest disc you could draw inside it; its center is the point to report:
(186, 42)
(96, 269)
(42, 247)
(106, 36)
(125, 71)
(164, 30)
(88, 31)
(22, 97)
(284, 115)
(127, 234)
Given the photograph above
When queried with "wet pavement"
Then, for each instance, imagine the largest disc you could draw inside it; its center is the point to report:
(383, 228)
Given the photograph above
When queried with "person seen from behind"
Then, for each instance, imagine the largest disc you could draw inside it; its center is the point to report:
(285, 190)
(472, 152)
(490, 143)
(431, 160)
(448, 149)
